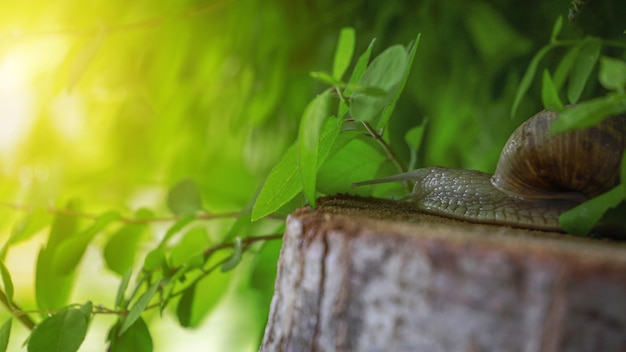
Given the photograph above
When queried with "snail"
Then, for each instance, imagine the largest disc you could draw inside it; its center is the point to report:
(538, 176)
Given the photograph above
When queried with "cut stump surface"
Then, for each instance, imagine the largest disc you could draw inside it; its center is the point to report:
(370, 275)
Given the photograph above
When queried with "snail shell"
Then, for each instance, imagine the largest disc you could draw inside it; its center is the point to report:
(539, 176)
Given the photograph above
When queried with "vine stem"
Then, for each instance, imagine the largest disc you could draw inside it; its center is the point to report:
(378, 137)
(22, 315)
(17, 312)
(387, 148)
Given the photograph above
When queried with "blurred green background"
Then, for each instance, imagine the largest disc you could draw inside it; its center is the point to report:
(113, 102)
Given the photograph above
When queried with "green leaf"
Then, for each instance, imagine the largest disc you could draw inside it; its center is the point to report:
(358, 160)
(343, 54)
(136, 338)
(207, 294)
(235, 257)
(386, 72)
(528, 77)
(264, 272)
(565, 66)
(382, 124)
(121, 290)
(549, 94)
(582, 218)
(283, 182)
(62, 332)
(70, 252)
(556, 29)
(310, 129)
(357, 73)
(154, 259)
(7, 282)
(33, 222)
(193, 242)
(63, 226)
(177, 227)
(5, 332)
(413, 139)
(184, 308)
(120, 250)
(52, 289)
(325, 78)
(586, 60)
(589, 113)
(184, 198)
(612, 74)
(138, 307)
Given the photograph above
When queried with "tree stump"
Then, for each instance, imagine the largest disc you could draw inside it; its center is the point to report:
(371, 275)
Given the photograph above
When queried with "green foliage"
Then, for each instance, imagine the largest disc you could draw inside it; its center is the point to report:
(184, 198)
(136, 339)
(62, 332)
(169, 121)
(5, 332)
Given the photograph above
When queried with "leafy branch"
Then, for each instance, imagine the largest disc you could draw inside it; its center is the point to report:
(240, 247)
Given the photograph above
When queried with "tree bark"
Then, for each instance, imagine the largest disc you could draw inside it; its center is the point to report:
(369, 275)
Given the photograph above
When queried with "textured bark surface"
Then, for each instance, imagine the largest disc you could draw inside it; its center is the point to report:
(369, 275)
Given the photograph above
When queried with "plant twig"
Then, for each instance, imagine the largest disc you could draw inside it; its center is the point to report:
(387, 148)
(17, 312)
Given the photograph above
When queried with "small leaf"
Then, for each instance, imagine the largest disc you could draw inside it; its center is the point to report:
(612, 74)
(184, 198)
(120, 250)
(325, 78)
(185, 305)
(582, 218)
(5, 332)
(549, 94)
(586, 60)
(528, 77)
(359, 159)
(556, 29)
(121, 289)
(70, 252)
(33, 222)
(153, 259)
(357, 73)
(589, 113)
(138, 307)
(62, 332)
(283, 182)
(565, 66)
(7, 282)
(310, 129)
(343, 54)
(386, 72)
(382, 124)
(234, 258)
(177, 227)
(208, 293)
(193, 242)
(413, 139)
(136, 339)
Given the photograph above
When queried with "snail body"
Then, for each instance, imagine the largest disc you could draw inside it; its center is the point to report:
(538, 177)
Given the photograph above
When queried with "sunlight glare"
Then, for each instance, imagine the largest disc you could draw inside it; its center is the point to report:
(20, 67)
